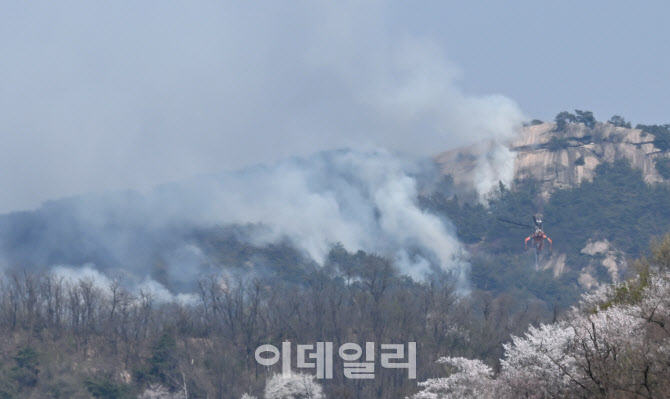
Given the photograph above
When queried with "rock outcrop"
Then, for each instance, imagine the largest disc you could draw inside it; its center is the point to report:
(560, 159)
(605, 255)
(565, 159)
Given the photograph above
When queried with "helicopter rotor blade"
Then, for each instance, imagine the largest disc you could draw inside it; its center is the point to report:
(518, 224)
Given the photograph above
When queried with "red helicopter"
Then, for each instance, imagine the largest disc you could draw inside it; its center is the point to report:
(538, 235)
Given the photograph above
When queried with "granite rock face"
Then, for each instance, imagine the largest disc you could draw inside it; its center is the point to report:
(560, 159)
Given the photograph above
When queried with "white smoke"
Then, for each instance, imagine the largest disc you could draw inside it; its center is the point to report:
(89, 273)
(419, 99)
(495, 163)
(227, 85)
(191, 89)
(362, 200)
(86, 272)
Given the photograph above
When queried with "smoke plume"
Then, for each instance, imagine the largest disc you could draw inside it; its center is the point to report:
(178, 91)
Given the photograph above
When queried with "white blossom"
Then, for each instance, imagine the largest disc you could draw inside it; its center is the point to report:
(158, 391)
(293, 386)
(614, 343)
(471, 379)
(539, 364)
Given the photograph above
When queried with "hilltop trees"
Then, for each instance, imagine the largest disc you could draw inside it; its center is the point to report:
(563, 118)
(619, 121)
(661, 135)
(586, 117)
(661, 132)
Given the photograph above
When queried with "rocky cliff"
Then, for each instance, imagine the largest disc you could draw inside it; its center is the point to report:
(559, 159)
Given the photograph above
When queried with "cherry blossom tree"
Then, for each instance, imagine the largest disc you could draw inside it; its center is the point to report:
(614, 343)
(158, 391)
(293, 386)
(469, 379)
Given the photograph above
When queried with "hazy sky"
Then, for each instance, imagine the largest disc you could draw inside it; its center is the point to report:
(106, 95)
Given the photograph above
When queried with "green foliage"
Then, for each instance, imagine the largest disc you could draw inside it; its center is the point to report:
(586, 117)
(26, 372)
(515, 274)
(562, 119)
(517, 204)
(359, 266)
(617, 205)
(661, 135)
(163, 360)
(24, 378)
(469, 218)
(105, 388)
(663, 167)
(579, 161)
(556, 144)
(632, 291)
(535, 122)
(660, 254)
(619, 121)
(626, 293)
(229, 245)
(27, 358)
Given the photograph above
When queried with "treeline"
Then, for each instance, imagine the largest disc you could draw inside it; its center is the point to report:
(661, 135)
(585, 117)
(564, 118)
(78, 339)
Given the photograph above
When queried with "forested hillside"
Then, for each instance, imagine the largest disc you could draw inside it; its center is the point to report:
(176, 307)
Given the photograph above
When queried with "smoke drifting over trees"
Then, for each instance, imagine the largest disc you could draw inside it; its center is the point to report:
(193, 91)
(362, 201)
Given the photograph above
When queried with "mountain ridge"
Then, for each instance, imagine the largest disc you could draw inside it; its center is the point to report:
(562, 159)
